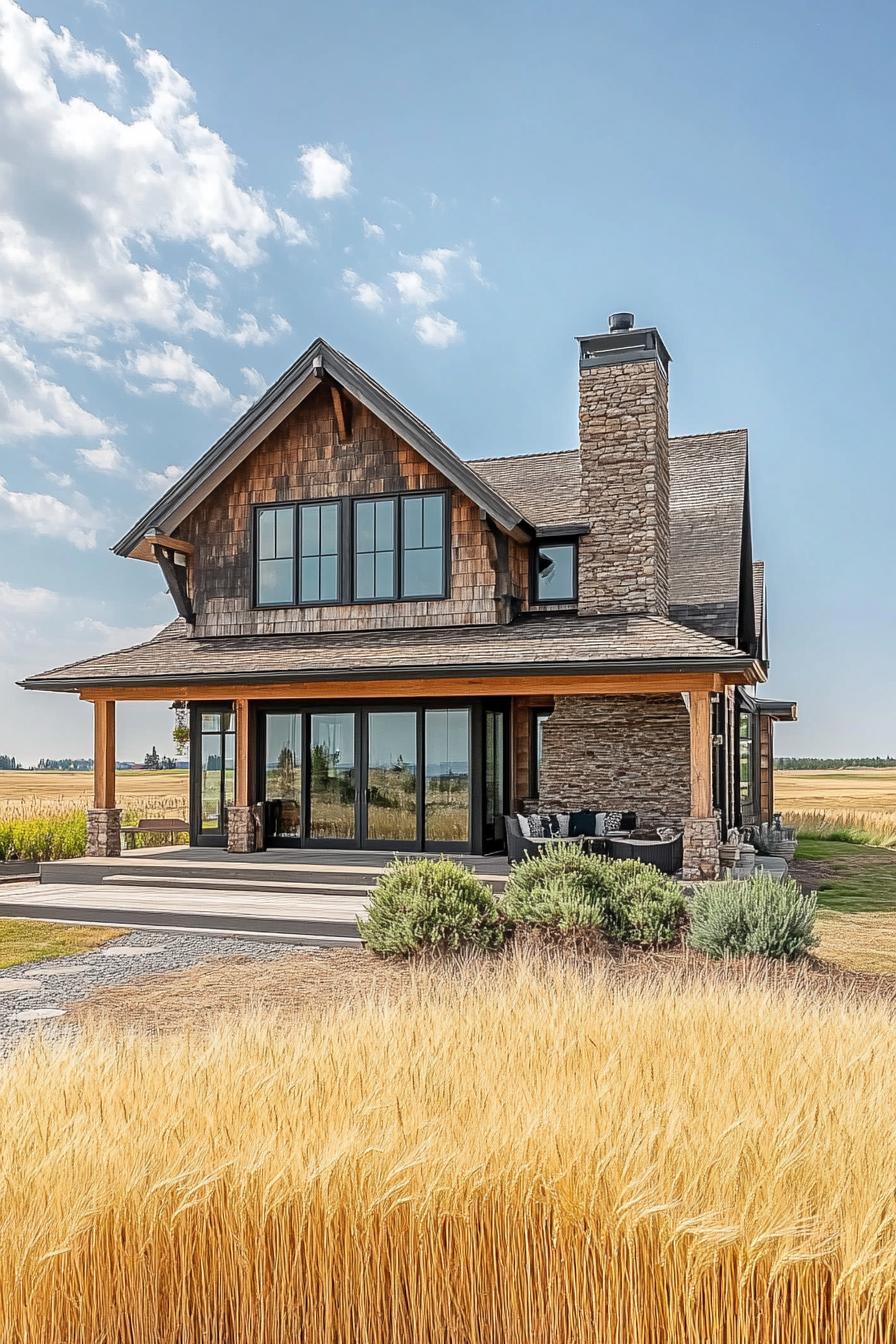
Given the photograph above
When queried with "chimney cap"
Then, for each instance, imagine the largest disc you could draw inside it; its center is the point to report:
(621, 321)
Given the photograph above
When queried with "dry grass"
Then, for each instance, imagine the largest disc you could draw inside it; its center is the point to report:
(522, 1157)
(40, 793)
(858, 942)
(856, 805)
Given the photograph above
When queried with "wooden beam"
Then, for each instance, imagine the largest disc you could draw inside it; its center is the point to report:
(146, 549)
(176, 578)
(242, 787)
(104, 753)
(701, 754)
(343, 409)
(419, 688)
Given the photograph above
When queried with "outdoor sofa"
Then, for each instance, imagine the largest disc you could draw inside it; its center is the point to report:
(623, 841)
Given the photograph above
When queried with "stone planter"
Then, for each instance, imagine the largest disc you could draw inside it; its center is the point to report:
(746, 862)
(780, 848)
(728, 857)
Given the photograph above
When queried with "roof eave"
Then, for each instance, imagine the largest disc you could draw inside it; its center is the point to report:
(746, 668)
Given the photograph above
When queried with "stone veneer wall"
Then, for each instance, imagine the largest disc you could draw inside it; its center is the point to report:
(624, 447)
(615, 753)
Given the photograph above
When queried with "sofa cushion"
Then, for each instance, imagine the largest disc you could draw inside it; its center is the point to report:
(525, 828)
(586, 823)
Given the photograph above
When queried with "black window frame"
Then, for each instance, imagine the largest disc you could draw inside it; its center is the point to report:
(258, 509)
(336, 601)
(345, 563)
(396, 547)
(542, 543)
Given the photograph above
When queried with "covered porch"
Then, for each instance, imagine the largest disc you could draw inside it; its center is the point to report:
(429, 766)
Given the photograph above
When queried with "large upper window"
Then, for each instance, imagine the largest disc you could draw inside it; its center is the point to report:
(423, 546)
(319, 550)
(555, 572)
(375, 570)
(275, 565)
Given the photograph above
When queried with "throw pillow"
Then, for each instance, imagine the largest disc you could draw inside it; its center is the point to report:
(613, 821)
(583, 823)
(563, 824)
(525, 828)
(628, 821)
(600, 823)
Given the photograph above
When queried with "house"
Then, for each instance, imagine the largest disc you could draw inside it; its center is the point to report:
(390, 646)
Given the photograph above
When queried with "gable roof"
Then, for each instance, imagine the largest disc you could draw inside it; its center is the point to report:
(289, 391)
(708, 516)
(545, 487)
(574, 644)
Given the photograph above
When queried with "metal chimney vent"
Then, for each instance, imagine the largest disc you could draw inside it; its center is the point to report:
(621, 321)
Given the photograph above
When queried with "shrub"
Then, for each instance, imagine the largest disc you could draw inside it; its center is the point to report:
(567, 889)
(562, 888)
(39, 839)
(421, 904)
(759, 917)
(645, 906)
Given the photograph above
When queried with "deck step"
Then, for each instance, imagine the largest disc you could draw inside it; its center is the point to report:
(199, 873)
(239, 884)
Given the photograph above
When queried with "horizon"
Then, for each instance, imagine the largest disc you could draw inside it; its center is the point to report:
(183, 222)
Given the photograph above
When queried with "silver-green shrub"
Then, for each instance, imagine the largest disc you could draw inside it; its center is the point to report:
(758, 917)
(430, 904)
(644, 905)
(562, 888)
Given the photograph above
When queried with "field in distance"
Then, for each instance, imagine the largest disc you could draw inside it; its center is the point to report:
(40, 792)
(835, 790)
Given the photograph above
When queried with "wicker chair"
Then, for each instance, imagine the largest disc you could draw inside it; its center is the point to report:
(663, 854)
(519, 846)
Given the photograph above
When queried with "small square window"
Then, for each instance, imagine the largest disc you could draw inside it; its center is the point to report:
(555, 572)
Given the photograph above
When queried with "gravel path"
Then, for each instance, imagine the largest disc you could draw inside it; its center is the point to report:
(38, 992)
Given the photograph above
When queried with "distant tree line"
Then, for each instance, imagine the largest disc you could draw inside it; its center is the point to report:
(835, 762)
(9, 763)
(65, 763)
(153, 761)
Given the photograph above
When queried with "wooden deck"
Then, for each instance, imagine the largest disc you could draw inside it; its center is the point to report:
(305, 896)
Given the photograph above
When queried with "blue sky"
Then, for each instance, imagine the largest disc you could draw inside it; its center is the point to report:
(190, 193)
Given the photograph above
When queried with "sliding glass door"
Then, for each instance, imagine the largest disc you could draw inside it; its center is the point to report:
(213, 753)
(384, 776)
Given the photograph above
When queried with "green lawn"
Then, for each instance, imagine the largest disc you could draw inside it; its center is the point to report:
(852, 878)
(24, 940)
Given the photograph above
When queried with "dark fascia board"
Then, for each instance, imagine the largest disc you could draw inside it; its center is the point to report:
(546, 530)
(645, 665)
(283, 396)
(783, 710)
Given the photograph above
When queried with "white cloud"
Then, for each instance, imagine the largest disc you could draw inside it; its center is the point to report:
(250, 332)
(412, 288)
(30, 600)
(107, 457)
(293, 232)
(108, 638)
(255, 381)
(32, 405)
(438, 330)
(169, 368)
(364, 292)
(48, 516)
(159, 481)
(59, 478)
(372, 230)
(106, 186)
(324, 176)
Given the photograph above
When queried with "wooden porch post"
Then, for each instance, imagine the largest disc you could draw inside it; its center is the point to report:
(701, 833)
(240, 819)
(701, 754)
(104, 818)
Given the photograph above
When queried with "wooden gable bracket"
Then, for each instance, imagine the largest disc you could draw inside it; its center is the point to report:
(499, 556)
(343, 409)
(175, 575)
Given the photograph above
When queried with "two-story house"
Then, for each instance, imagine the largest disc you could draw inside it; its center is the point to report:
(391, 647)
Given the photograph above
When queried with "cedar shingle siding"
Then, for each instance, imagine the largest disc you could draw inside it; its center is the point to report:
(303, 460)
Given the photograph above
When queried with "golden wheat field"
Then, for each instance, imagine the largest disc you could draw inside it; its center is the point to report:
(857, 803)
(33, 793)
(526, 1156)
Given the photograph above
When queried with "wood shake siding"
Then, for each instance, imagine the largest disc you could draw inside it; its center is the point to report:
(303, 460)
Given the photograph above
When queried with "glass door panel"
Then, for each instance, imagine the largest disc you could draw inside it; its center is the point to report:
(447, 788)
(331, 776)
(283, 777)
(217, 758)
(495, 775)
(392, 776)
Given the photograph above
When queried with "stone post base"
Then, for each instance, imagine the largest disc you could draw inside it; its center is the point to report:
(240, 830)
(103, 832)
(700, 860)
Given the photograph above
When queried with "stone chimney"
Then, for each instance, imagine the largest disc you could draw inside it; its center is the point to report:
(624, 447)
